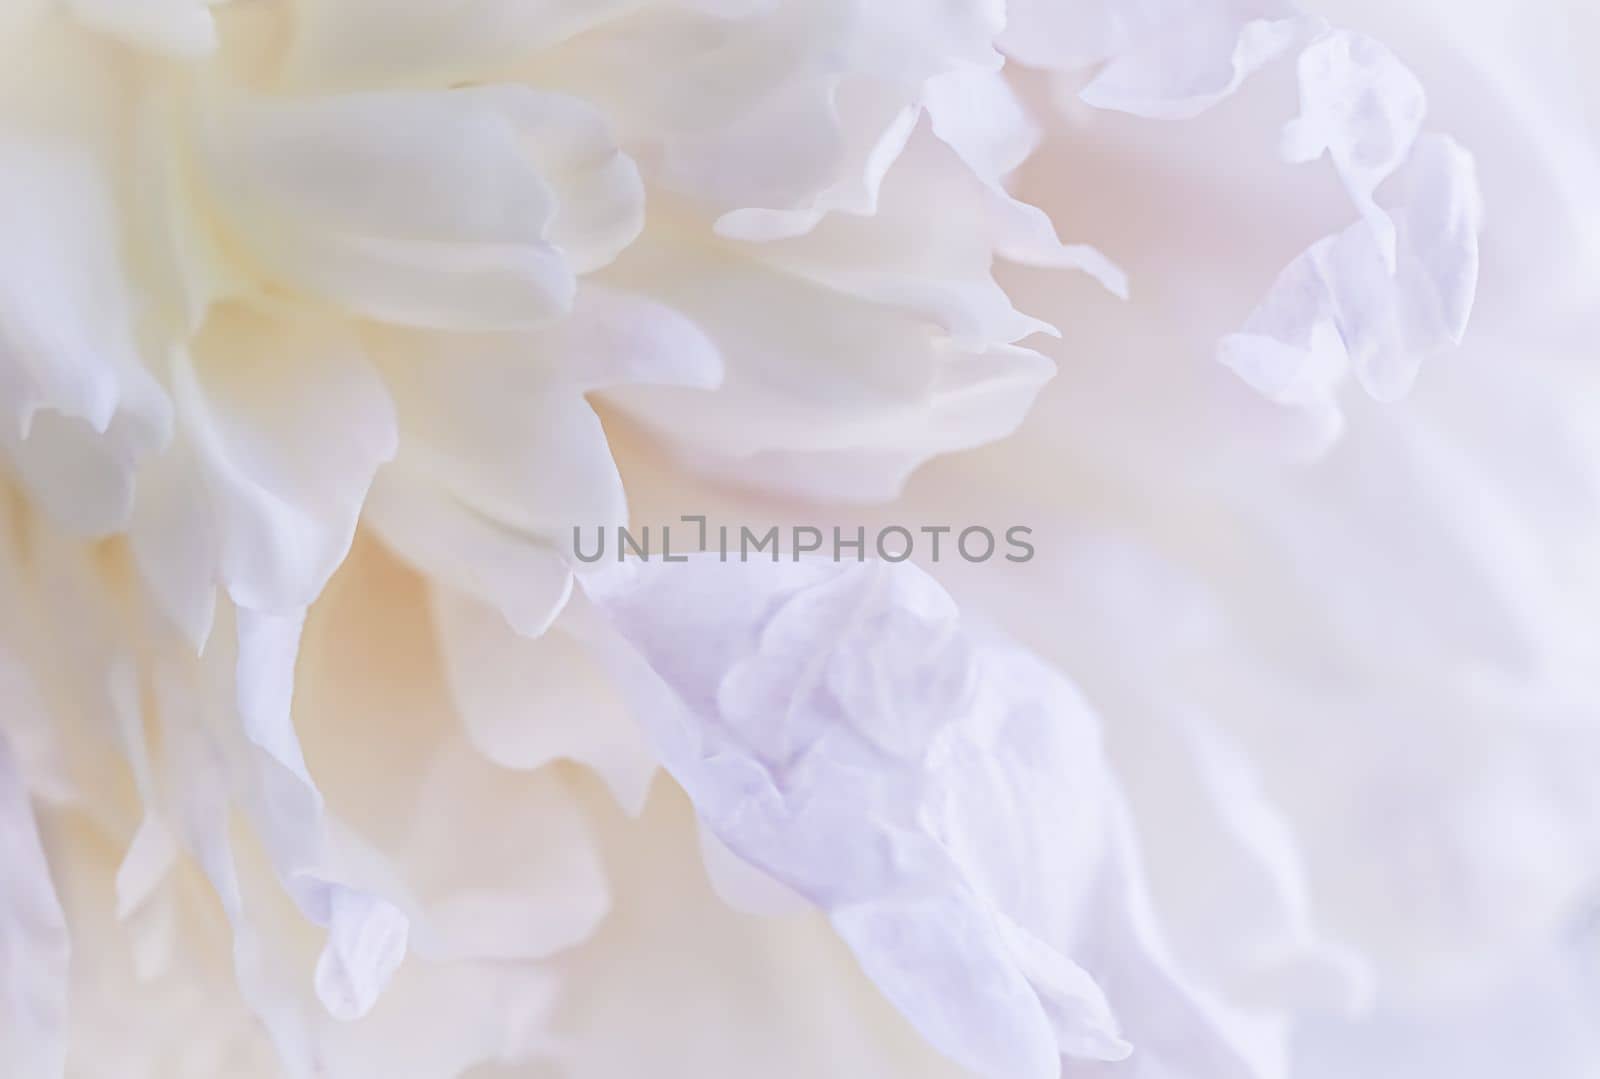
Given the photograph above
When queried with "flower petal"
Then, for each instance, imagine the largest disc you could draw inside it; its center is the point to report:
(500, 419)
(178, 27)
(80, 410)
(366, 933)
(1338, 308)
(527, 578)
(850, 397)
(1190, 64)
(526, 702)
(503, 458)
(463, 209)
(941, 795)
(779, 114)
(489, 862)
(287, 423)
(748, 995)
(33, 939)
(175, 543)
(1364, 108)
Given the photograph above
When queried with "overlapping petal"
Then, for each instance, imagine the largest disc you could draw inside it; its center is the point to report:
(503, 458)
(468, 209)
(1362, 107)
(81, 411)
(940, 795)
(1342, 308)
(896, 344)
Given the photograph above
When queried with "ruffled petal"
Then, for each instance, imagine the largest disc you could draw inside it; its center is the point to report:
(917, 789)
(478, 869)
(1364, 108)
(1361, 106)
(943, 276)
(1338, 309)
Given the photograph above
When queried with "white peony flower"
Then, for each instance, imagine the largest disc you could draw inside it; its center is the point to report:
(326, 326)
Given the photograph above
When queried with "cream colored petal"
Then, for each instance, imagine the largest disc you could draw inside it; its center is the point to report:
(527, 702)
(493, 859)
(180, 27)
(468, 209)
(81, 411)
(704, 992)
(287, 422)
(824, 391)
